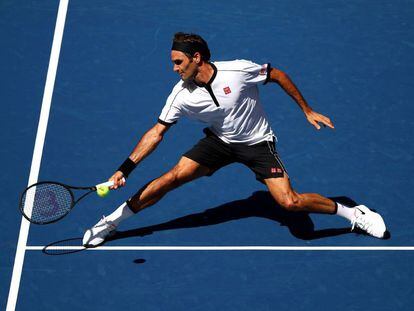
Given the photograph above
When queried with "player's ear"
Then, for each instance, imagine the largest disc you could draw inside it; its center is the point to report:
(197, 57)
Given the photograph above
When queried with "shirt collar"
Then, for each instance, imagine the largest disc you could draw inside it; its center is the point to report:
(211, 79)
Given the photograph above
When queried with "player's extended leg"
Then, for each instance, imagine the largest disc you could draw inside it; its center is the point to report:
(360, 216)
(185, 171)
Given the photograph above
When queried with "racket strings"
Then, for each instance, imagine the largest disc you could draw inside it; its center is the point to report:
(46, 202)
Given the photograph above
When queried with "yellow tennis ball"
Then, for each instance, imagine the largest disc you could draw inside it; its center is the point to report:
(102, 191)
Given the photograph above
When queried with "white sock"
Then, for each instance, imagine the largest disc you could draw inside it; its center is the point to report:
(345, 211)
(121, 213)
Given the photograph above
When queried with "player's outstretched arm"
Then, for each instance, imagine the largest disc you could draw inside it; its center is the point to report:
(146, 145)
(290, 88)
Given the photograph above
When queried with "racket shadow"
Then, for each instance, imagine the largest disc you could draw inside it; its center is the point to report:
(259, 204)
(64, 247)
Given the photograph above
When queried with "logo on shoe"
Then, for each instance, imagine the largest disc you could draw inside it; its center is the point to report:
(363, 213)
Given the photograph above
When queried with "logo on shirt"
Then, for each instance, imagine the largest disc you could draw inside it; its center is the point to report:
(227, 90)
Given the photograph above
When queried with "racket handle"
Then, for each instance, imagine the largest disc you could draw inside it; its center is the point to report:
(107, 183)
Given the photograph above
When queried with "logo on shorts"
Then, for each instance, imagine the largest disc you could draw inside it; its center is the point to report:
(227, 90)
(275, 170)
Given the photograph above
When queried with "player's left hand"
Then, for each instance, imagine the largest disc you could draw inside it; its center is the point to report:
(315, 118)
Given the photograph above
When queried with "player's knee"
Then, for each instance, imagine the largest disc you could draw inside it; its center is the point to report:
(288, 205)
(290, 202)
(170, 179)
(175, 177)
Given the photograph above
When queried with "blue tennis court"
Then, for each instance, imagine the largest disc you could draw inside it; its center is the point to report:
(220, 242)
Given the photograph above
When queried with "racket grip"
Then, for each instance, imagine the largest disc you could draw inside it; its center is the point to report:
(107, 183)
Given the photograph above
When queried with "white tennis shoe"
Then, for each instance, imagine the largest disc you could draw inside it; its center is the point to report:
(99, 233)
(369, 222)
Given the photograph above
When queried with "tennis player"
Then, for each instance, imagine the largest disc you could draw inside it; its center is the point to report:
(224, 95)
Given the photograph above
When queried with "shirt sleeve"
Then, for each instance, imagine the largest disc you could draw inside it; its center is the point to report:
(255, 74)
(171, 111)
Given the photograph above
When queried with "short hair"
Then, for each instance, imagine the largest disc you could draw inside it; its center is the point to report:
(191, 37)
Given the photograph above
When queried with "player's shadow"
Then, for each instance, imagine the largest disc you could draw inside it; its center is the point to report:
(259, 204)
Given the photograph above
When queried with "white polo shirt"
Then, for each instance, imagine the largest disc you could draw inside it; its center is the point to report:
(229, 103)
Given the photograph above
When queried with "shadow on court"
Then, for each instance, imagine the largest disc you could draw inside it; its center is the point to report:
(63, 247)
(259, 204)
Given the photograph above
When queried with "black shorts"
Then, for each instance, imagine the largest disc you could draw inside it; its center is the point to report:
(261, 158)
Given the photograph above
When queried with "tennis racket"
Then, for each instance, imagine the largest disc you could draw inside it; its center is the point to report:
(48, 201)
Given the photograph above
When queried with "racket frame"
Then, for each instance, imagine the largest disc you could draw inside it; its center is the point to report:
(67, 187)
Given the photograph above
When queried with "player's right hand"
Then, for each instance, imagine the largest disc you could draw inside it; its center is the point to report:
(119, 180)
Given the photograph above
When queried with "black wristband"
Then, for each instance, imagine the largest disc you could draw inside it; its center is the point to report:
(127, 167)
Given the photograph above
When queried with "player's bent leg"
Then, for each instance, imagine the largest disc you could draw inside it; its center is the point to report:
(286, 197)
(361, 217)
(185, 171)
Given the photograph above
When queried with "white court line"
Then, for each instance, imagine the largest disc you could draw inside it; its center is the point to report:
(38, 150)
(228, 248)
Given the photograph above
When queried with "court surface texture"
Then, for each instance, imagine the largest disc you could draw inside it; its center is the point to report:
(93, 76)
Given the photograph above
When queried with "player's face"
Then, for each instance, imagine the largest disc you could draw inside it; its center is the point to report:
(183, 65)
